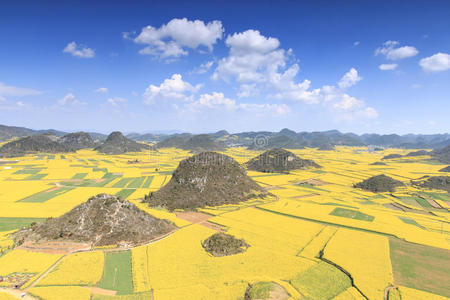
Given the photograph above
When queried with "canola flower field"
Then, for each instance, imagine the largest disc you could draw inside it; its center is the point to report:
(319, 238)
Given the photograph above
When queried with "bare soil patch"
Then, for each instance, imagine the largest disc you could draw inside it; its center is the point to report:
(55, 247)
(199, 218)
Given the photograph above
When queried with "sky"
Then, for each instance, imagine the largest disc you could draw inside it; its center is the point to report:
(202, 66)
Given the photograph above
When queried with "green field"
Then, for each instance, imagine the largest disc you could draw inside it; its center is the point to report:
(122, 182)
(117, 273)
(321, 281)
(352, 214)
(125, 193)
(420, 267)
(46, 195)
(136, 183)
(36, 176)
(79, 175)
(7, 224)
(147, 182)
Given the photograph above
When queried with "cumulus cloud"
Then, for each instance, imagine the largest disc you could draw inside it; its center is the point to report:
(436, 63)
(116, 101)
(79, 50)
(203, 68)
(218, 101)
(171, 89)
(387, 67)
(14, 91)
(349, 79)
(253, 59)
(331, 97)
(172, 39)
(69, 100)
(392, 51)
(101, 90)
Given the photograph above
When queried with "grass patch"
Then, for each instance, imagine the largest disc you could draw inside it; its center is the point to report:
(125, 193)
(36, 177)
(7, 224)
(420, 267)
(27, 171)
(261, 290)
(46, 195)
(438, 196)
(410, 221)
(321, 281)
(117, 273)
(122, 182)
(79, 175)
(318, 171)
(147, 182)
(136, 183)
(352, 214)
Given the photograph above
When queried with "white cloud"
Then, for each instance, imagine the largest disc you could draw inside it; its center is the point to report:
(392, 51)
(369, 112)
(436, 63)
(116, 101)
(348, 103)
(349, 79)
(254, 61)
(171, 39)
(356, 43)
(219, 101)
(79, 50)
(216, 99)
(14, 91)
(69, 100)
(251, 41)
(387, 67)
(102, 90)
(174, 88)
(278, 109)
(258, 65)
(203, 68)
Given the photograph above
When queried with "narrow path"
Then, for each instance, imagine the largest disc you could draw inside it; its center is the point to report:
(45, 273)
(17, 293)
(387, 290)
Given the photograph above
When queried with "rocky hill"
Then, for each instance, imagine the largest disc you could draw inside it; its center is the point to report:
(203, 142)
(102, 220)
(326, 147)
(392, 156)
(379, 184)
(279, 160)
(175, 141)
(418, 153)
(434, 182)
(446, 169)
(116, 143)
(222, 244)
(442, 155)
(206, 179)
(77, 140)
(277, 141)
(46, 143)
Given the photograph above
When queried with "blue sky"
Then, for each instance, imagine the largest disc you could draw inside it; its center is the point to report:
(143, 66)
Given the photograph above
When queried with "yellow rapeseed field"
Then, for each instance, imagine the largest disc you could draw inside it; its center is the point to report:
(72, 270)
(61, 292)
(310, 211)
(365, 256)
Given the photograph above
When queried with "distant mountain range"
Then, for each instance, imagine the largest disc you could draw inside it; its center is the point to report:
(285, 138)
